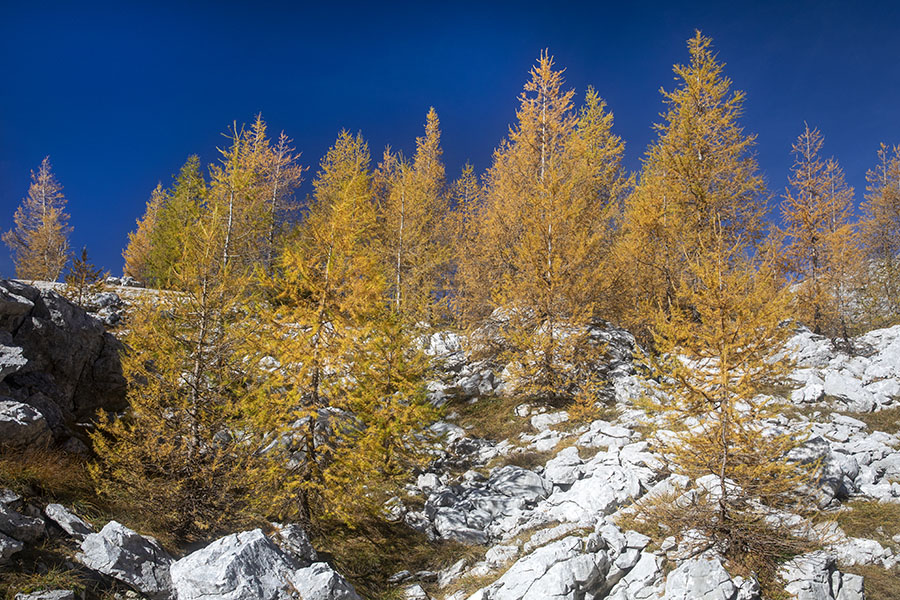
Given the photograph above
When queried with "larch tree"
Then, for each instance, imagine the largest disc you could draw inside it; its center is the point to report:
(40, 239)
(168, 222)
(238, 191)
(466, 196)
(83, 279)
(720, 348)
(348, 392)
(880, 233)
(819, 238)
(138, 252)
(175, 221)
(716, 323)
(283, 175)
(542, 235)
(184, 457)
(412, 209)
(700, 172)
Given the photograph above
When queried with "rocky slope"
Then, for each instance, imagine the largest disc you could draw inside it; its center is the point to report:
(58, 365)
(538, 498)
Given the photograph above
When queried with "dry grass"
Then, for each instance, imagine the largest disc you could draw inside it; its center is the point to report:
(492, 418)
(470, 584)
(46, 473)
(528, 459)
(748, 544)
(48, 566)
(54, 578)
(374, 550)
(879, 584)
(887, 420)
(879, 521)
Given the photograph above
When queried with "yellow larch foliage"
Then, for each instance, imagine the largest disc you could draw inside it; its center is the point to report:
(700, 172)
(411, 209)
(539, 244)
(720, 348)
(83, 280)
(185, 460)
(880, 233)
(348, 392)
(138, 252)
(820, 245)
(40, 239)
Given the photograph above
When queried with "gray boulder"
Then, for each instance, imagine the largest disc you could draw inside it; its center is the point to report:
(702, 578)
(813, 576)
(241, 566)
(22, 425)
(8, 547)
(249, 566)
(11, 360)
(48, 595)
(560, 570)
(20, 527)
(517, 482)
(68, 522)
(320, 582)
(129, 557)
(294, 540)
(70, 359)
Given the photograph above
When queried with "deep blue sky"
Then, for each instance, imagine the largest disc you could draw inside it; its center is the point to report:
(119, 94)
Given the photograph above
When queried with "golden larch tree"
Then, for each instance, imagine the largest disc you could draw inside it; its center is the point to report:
(348, 394)
(412, 207)
(541, 239)
(720, 348)
(238, 192)
(700, 171)
(184, 457)
(283, 175)
(83, 280)
(40, 239)
(820, 251)
(880, 233)
(138, 252)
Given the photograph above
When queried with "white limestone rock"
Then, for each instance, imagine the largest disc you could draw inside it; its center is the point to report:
(809, 577)
(294, 540)
(565, 468)
(48, 595)
(70, 523)
(320, 582)
(561, 570)
(544, 421)
(517, 482)
(701, 578)
(8, 547)
(131, 558)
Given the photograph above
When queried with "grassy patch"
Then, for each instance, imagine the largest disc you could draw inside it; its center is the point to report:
(802, 412)
(879, 584)
(374, 550)
(879, 521)
(46, 473)
(492, 418)
(529, 459)
(887, 420)
(779, 390)
(54, 578)
(470, 584)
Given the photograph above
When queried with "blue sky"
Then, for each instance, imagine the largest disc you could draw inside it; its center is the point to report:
(119, 94)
